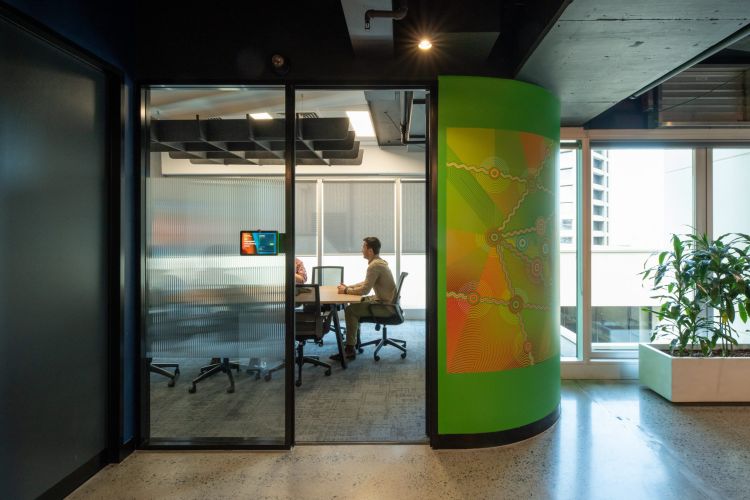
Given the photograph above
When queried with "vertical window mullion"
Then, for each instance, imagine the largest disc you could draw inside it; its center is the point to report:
(701, 219)
(709, 189)
(397, 223)
(584, 251)
(319, 221)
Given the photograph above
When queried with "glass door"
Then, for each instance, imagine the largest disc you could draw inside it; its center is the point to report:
(215, 268)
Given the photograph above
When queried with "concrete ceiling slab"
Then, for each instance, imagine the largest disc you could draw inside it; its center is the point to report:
(599, 52)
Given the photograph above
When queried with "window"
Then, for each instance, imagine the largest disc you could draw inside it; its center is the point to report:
(413, 243)
(354, 209)
(348, 209)
(639, 197)
(567, 194)
(661, 180)
(731, 205)
(569, 161)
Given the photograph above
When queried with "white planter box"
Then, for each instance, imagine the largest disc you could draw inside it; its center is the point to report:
(695, 380)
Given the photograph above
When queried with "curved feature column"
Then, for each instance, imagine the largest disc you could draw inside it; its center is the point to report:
(498, 253)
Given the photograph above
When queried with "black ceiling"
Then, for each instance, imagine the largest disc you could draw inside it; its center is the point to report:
(197, 42)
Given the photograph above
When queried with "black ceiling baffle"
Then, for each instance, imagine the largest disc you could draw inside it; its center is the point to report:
(320, 141)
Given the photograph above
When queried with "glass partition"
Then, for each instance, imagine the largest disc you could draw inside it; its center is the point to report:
(215, 319)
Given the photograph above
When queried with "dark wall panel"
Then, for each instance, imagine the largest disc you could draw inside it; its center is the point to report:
(53, 298)
(107, 30)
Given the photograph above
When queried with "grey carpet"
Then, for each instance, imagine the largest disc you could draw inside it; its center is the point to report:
(370, 401)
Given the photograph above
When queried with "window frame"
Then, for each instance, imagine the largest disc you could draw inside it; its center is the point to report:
(615, 361)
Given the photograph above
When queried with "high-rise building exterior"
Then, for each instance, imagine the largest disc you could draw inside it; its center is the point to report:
(599, 198)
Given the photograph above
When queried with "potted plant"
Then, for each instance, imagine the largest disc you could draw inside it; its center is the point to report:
(704, 287)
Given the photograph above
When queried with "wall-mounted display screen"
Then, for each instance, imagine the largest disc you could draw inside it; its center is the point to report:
(259, 242)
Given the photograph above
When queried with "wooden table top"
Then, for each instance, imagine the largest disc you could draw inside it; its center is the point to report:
(328, 295)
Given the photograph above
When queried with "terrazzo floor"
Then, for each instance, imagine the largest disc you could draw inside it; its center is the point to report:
(614, 440)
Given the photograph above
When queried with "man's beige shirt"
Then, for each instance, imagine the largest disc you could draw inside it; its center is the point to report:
(379, 279)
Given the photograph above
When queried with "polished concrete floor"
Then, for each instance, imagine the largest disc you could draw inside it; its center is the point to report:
(613, 440)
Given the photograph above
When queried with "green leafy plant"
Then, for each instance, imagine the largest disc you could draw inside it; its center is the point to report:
(703, 286)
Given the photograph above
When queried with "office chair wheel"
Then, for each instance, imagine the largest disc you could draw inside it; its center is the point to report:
(298, 383)
(403, 355)
(267, 377)
(170, 383)
(377, 358)
(230, 390)
(192, 389)
(328, 372)
(177, 371)
(360, 350)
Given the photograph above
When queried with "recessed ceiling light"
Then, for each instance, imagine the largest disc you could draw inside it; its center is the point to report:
(261, 116)
(425, 44)
(362, 123)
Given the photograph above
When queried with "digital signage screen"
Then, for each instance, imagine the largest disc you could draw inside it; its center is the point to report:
(259, 242)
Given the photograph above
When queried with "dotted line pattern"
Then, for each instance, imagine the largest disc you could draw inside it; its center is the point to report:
(491, 171)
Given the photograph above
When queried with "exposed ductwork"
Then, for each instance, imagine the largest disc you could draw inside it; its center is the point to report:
(396, 15)
(399, 117)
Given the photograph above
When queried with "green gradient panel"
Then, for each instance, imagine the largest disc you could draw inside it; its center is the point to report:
(498, 300)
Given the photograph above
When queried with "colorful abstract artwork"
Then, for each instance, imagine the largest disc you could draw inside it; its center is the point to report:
(501, 247)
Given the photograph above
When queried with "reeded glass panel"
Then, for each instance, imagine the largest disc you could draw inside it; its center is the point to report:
(641, 196)
(305, 218)
(213, 317)
(355, 209)
(731, 205)
(568, 166)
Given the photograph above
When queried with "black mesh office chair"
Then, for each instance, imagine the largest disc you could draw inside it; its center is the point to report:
(159, 368)
(161, 316)
(216, 326)
(310, 324)
(327, 275)
(384, 315)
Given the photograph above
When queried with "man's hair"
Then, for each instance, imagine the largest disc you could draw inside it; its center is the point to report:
(373, 244)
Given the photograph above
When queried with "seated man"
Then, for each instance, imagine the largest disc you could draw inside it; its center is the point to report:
(379, 279)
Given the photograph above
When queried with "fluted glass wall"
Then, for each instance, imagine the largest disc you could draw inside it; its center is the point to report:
(214, 319)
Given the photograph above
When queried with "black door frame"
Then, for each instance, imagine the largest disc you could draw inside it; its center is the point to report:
(290, 88)
(141, 366)
(430, 223)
